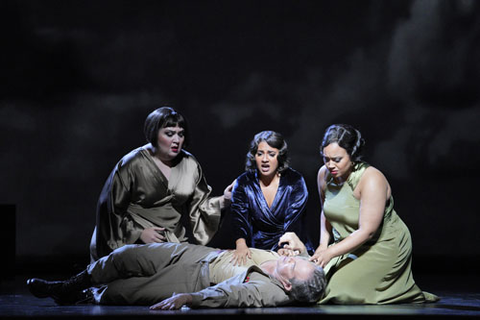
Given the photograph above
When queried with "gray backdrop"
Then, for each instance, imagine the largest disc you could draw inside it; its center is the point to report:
(79, 77)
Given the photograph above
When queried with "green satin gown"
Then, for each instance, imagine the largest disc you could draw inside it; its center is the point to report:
(379, 272)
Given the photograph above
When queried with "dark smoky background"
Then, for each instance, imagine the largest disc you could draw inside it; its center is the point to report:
(78, 79)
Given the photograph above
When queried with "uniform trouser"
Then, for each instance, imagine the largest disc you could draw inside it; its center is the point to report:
(147, 274)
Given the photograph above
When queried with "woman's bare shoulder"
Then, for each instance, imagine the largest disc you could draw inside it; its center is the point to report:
(373, 178)
(322, 176)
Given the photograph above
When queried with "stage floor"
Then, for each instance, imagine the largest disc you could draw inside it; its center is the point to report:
(460, 297)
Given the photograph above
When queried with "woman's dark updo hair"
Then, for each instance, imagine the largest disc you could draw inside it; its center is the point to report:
(161, 118)
(274, 140)
(347, 137)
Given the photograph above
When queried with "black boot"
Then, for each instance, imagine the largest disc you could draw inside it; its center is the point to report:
(63, 292)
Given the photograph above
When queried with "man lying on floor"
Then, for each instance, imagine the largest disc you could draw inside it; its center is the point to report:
(171, 275)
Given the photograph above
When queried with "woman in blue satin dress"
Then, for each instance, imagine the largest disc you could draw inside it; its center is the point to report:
(268, 199)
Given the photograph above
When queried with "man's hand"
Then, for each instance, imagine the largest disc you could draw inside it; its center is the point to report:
(175, 302)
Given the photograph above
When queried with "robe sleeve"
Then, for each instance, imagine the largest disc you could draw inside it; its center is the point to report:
(240, 211)
(258, 291)
(204, 212)
(114, 228)
(296, 207)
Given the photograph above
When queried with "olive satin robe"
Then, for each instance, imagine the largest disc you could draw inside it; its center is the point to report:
(137, 195)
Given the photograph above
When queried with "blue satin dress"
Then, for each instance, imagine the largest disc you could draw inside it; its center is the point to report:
(262, 226)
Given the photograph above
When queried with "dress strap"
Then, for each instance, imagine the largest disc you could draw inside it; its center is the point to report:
(357, 172)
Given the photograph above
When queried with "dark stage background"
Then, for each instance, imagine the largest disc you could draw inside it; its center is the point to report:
(78, 79)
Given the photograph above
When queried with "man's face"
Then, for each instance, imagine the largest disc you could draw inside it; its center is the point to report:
(288, 268)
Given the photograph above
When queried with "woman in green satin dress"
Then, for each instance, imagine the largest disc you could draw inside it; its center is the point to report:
(365, 248)
(370, 259)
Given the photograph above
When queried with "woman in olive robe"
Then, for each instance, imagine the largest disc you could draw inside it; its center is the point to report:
(154, 189)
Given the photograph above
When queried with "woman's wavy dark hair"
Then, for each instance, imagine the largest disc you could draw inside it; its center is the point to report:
(347, 137)
(274, 140)
(161, 118)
